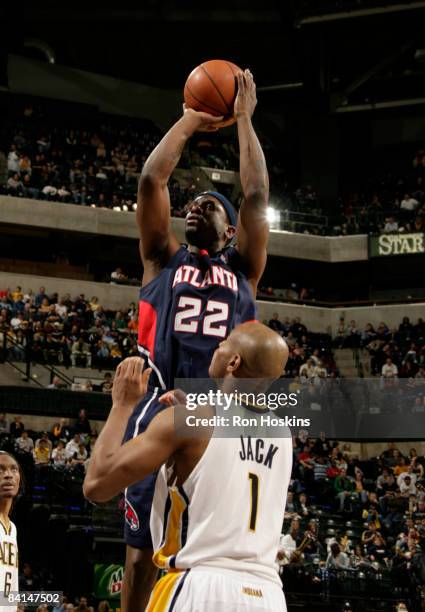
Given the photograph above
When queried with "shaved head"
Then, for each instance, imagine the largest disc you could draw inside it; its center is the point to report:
(252, 350)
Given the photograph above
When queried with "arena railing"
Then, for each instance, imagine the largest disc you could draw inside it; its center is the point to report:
(25, 370)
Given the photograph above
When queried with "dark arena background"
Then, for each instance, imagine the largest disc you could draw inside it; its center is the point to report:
(86, 92)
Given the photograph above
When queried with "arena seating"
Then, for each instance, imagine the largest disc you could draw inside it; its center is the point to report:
(71, 153)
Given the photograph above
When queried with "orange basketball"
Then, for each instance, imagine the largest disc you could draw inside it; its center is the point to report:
(212, 87)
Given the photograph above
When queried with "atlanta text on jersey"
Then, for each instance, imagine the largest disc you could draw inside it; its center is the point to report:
(216, 275)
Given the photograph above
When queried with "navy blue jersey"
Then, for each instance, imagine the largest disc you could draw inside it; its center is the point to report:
(187, 310)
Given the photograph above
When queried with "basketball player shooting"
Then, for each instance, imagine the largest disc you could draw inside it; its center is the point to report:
(192, 296)
(219, 502)
(10, 482)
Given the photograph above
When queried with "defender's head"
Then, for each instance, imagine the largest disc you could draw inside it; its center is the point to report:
(210, 221)
(252, 350)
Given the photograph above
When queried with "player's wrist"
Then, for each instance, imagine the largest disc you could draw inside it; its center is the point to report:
(243, 115)
(190, 122)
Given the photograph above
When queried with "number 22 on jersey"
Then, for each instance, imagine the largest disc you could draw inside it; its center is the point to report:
(214, 322)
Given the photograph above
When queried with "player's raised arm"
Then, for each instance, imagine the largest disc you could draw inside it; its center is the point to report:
(157, 242)
(113, 466)
(253, 228)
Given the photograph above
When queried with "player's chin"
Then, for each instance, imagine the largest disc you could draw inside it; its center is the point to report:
(193, 236)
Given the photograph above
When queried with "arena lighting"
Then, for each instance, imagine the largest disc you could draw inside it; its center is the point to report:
(354, 108)
(271, 214)
(360, 12)
(134, 207)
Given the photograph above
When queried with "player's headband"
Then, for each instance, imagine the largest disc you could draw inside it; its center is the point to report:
(228, 206)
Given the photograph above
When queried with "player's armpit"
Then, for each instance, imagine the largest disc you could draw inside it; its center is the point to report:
(135, 459)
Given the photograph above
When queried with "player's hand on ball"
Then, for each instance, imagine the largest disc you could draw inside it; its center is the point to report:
(130, 382)
(246, 99)
(203, 122)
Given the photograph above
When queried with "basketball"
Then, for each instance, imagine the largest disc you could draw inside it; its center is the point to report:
(211, 88)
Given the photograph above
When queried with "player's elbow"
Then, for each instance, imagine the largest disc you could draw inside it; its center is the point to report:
(151, 179)
(257, 195)
(94, 490)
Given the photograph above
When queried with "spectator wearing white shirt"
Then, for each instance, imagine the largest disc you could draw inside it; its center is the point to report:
(389, 369)
(24, 443)
(391, 225)
(408, 203)
(407, 486)
(13, 160)
(402, 477)
(73, 446)
(308, 369)
(288, 543)
(59, 455)
(117, 276)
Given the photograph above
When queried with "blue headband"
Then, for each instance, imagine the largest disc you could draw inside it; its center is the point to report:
(228, 206)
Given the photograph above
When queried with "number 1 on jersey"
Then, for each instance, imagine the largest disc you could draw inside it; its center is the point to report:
(254, 500)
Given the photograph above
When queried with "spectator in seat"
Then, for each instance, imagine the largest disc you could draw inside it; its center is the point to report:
(82, 425)
(17, 427)
(45, 439)
(81, 350)
(42, 454)
(73, 446)
(80, 457)
(336, 558)
(344, 488)
(408, 203)
(83, 606)
(24, 443)
(15, 186)
(389, 369)
(275, 324)
(59, 456)
(4, 424)
(391, 225)
(117, 276)
(308, 369)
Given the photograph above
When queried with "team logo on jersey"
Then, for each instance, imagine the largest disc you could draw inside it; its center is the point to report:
(131, 516)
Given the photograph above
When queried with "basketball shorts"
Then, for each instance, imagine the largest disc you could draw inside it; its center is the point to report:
(213, 590)
(139, 497)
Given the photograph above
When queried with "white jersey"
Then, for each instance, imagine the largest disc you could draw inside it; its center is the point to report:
(8, 564)
(229, 512)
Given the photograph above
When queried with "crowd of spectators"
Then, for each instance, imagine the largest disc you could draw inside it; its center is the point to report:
(310, 354)
(54, 159)
(99, 166)
(63, 331)
(395, 353)
(349, 521)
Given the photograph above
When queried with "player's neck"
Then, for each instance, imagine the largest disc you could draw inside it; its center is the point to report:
(212, 249)
(5, 507)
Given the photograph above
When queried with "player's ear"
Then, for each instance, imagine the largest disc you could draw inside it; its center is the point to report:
(234, 363)
(230, 232)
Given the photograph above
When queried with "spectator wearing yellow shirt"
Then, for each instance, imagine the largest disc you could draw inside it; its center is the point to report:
(400, 467)
(17, 295)
(42, 453)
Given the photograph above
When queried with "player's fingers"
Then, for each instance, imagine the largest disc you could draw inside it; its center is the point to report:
(167, 398)
(213, 119)
(146, 375)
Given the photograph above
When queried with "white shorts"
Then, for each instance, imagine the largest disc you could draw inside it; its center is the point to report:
(211, 590)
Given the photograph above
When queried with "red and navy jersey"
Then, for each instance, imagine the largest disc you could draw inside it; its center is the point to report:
(188, 309)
